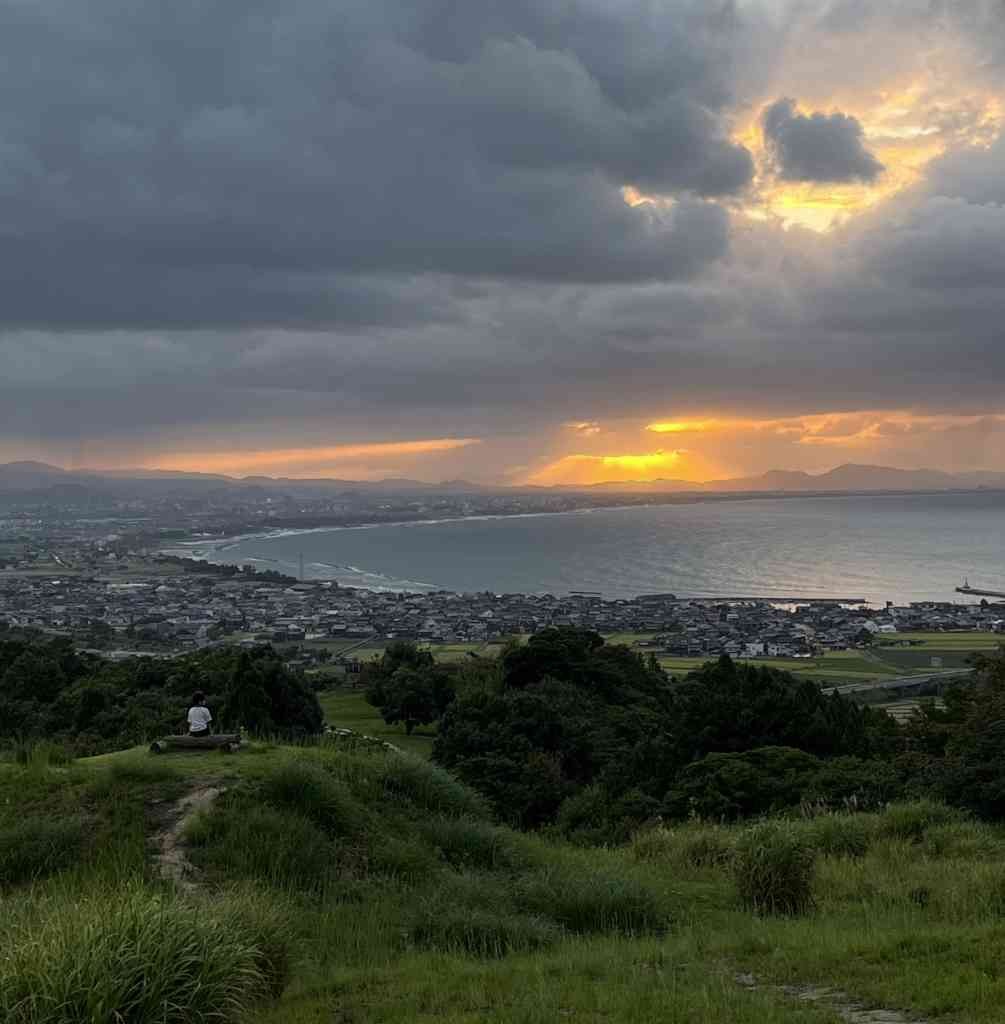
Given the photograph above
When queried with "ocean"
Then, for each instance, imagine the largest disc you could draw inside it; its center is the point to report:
(880, 548)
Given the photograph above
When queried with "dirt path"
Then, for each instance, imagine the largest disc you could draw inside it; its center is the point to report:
(833, 999)
(170, 858)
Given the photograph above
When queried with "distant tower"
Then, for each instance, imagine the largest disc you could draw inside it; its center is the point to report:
(301, 567)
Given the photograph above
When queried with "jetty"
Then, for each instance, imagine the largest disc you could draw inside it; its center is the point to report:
(975, 592)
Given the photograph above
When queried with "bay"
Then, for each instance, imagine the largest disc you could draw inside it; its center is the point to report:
(879, 547)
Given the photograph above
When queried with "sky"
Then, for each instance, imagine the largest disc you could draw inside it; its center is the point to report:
(540, 241)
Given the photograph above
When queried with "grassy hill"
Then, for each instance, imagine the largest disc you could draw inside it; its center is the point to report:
(345, 883)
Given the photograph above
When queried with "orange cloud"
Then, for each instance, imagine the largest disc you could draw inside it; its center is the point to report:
(830, 427)
(579, 469)
(297, 461)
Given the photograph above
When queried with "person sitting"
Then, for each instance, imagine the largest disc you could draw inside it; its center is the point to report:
(199, 718)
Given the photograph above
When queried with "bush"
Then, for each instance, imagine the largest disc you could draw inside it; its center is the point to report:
(140, 959)
(468, 843)
(35, 847)
(587, 899)
(432, 788)
(725, 787)
(910, 822)
(310, 791)
(594, 816)
(842, 835)
(774, 868)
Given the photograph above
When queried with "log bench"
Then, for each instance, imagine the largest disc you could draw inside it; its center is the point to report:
(229, 743)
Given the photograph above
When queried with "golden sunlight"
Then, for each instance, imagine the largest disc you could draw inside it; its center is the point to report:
(906, 127)
(583, 470)
(295, 461)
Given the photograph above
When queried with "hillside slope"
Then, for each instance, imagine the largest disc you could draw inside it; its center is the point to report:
(350, 883)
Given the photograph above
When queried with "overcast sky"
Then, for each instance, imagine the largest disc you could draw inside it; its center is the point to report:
(549, 240)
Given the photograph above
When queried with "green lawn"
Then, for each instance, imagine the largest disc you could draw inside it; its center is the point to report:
(350, 710)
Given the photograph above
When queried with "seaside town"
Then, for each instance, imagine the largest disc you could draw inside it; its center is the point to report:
(116, 592)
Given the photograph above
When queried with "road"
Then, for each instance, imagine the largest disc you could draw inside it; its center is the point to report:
(900, 682)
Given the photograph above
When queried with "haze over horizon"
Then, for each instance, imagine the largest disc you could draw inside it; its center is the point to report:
(559, 242)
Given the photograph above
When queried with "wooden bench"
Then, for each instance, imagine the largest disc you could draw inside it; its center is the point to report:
(229, 743)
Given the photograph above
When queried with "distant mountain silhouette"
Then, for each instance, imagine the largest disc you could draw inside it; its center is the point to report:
(849, 477)
(43, 479)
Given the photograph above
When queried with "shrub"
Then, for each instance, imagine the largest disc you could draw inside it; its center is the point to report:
(774, 868)
(730, 786)
(910, 822)
(35, 847)
(468, 843)
(480, 932)
(842, 835)
(310, 791)
(586, 899)
(430, 787)
(140, 959)
(594, 816)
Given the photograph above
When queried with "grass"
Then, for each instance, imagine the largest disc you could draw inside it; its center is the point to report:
(362, 885)
(139, 957)
(350, 710)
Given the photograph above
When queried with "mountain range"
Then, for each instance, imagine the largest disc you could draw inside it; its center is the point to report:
(43, 479)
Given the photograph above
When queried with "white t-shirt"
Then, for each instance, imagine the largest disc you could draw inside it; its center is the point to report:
(199, 719)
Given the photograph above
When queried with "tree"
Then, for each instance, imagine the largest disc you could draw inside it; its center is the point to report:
(407, 686)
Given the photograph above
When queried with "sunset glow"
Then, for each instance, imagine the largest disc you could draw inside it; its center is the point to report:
(906, 126)
(301, 461)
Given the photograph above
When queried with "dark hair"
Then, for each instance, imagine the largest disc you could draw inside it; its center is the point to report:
(198, 697)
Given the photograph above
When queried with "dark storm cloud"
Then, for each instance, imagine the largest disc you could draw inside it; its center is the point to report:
(817, 147)
(305, 223)
(190, 164)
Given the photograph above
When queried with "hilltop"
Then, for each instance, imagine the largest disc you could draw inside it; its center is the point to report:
(346, 882)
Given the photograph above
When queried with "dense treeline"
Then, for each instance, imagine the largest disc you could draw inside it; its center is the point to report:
(596, 738)
(47, 689)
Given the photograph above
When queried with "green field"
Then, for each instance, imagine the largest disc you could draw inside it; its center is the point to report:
(833, 668)
(350, 710)
(337, 886)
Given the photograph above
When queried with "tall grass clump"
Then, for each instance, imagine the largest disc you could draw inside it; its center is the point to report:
(475, 931)
(964, 840)
(139, 958)
(241, 839)
(842, 835)
(910, 822)
(312, 792)
(31, 848)
(695, 845)
(473, 913)
(39, 754)
(469, 843)
(587, 899)
(431, 788)
(774, 868)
